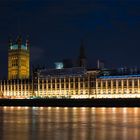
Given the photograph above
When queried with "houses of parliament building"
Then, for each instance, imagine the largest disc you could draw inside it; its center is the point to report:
(64, 81)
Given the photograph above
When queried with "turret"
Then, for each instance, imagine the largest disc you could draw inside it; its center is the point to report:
(10, 43)
(27, 43)
(19, 42)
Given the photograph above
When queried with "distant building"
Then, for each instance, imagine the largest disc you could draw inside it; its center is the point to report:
(100, 64)
(76, 82)
(18, 59)
(118, 86)
(71, 83)
(64, 81)
(16, 88)
(59, 65)
(52, 83)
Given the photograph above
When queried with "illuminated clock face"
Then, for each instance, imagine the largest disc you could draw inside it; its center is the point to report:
(15, 47)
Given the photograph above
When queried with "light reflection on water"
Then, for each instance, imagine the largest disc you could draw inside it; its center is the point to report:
(39, 123)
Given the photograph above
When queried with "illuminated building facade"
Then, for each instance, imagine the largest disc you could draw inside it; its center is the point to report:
(66, 83)
(53, 83)
(18, 60)
(19, 88)
(71, 83)
(124, 86)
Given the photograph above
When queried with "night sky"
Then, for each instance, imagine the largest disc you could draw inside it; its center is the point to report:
(110, 30)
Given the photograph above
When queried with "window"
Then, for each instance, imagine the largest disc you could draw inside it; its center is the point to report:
(76, 79)
(86, 79)
(76, 85)
(135, 83)
(125, 83)
(26, 86)
(53, 85)
(19, 87)
(81, 85)
(91, 78)
(57, 85)
(99, 84)
(114, 83)
(23, 87)
(62, 80)
(81, 79)
(67, 80)
(71, 80)
(67, 85)
(86, 84)
(119, 83)
(91, 84)
(109, 83)
(130, 83)
(58, 81)
(62, 85)
(71, 85)
(104, 83)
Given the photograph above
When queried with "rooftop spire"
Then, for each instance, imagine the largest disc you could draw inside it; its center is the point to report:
(10, 41)
(82, 50)
(82, 55)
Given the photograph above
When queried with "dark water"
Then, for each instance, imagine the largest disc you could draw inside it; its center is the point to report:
(39, 123)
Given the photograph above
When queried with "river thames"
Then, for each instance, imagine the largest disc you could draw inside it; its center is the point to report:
(48, 123)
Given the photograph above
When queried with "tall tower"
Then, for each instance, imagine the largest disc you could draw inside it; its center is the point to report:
(82, 62)
(18, 59)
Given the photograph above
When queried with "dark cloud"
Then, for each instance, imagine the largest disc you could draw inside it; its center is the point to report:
(36, 54)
